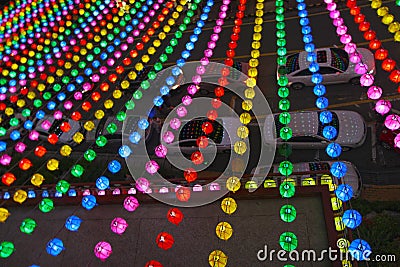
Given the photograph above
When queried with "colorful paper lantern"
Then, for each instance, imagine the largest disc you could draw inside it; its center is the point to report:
(5, 160)
(55, 246)
(6, 249)
(338, 169)
(89, 202)
(183, 194)
(344, 192)
(114, 166)
(102, 183)
(383, 106)
(62, 186)
(20, 196)
(73, 223)
(233, 184)
(351, 218)
(224, 230)
(142, 184)
(217, 258)
(102, 250)
(360, 249)
(288, 241)
(28, 225)
(374, 92)
(190, 175)
(228, 205)
(8, 178)
(392, 122)
(37, 179)
(288, 213)
(52, 164)
(46, 205)
(152, 167)
(131, 203)
(175, 216)
(333, 150)
(165, 240)
(118, 225)
(287, 190)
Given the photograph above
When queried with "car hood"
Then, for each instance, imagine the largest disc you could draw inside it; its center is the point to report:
(351, 128)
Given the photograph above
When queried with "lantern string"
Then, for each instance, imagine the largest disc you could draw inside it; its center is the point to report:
(387, 18)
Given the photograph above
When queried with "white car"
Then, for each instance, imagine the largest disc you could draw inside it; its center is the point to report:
(307, 129)
(334, 65)
(191, 130)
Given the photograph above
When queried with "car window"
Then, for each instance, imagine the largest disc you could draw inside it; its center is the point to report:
(321, 56)
(305, 72)
(340, 59)
(327, 70)
(304, 139)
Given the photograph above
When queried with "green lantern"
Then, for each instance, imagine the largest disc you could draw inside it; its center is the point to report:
(111, 128)
(101, 141)
(6, 249)
(3, 131)
(287, 190)
(283, 92)
(14, 122)
(285, 168)
(284, 118)
(145, 85)
(46, 205)
(62, 186)
(26, 112)
(137, 94)
(288, 213)
(152, 75)
(281, 51)
(283, 81)
(121, 116)
(130, 105)
(77, 170)
(158, 66)
(89, 155)
(285, 133)
(284, 104)
(28, 226)
(288, 241)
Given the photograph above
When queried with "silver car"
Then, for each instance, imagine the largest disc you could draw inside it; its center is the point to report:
(307, 129)
(334, 66)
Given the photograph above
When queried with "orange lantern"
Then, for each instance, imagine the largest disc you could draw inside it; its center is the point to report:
(197, 158)
(190, 175)
(8, 178)
(119, 69)
(25, 164)
(112, 78)
(355, 10)
(96, 96)
(104, 87)
(395, 76)
(374, 44)
(86, 106)
(65, 127)
(388, 64)
(183, 194)
(381, 54)
(369, 35)
(364, 26)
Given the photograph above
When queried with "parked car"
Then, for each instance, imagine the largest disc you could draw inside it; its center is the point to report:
(191, 130)
(386, 137)
(334, 65)
(307, 129)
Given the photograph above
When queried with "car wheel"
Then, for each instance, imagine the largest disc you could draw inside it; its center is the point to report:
(355, 81)
(297, 86)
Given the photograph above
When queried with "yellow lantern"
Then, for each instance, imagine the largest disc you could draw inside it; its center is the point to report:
(251, 82)
(397, 36)
(75, 58)
(228, 205)
(99, 114)
(387, 19)
(233, 183)
(253, 62)
(376, 4)
(50, 79)
(269, 183)
(65, 150)
(4, 214)
(52, 164)
(117, 94)
(245, 118)
(108, 104)
(67, 65)
(242, 132)
(139, 66)
(9, 111)
(162, 35)
(339, 225)
(382, 11)
(255, 53)
(240, 147)
(78, 137)
(308, 181)
(20, 196)
(224, 230)
(132, 75)
(217, 258)
(89, 126)
(59, 72)
(125, 84)
(247, 105)
(394, 27)
(336, 203)
(157, 43)
(21, 103)
(31, 95)
(151, 50)
(249, 93)
(37, 179)
(145, 59)
(252, 72)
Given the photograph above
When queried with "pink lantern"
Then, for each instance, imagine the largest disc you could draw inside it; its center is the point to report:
(20, 147)
(397, 140)
(367, 79)
(181, 111)
(374, 92)
(175, 123)
(341, 30)
(142, 184)
(192, 89)
(161, 151)
(46, 125)
(168, 137)
(331, 6)
(350, 48)
(334, 14)
(68, 105)
(361, 68)
(5, 160)
(204, 61)
(102, 250)
(58, 115)
(34, 135)
(78, 96)
(152, 167)
(383, 107)
(118, 226)
(131, 203)
(201, 69)
(345, 38)
(355, 57)
(392, 122)
(187, 100)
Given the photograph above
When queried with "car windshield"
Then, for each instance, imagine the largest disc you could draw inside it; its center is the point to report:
(334, 123)
(292, 63)
(339, 59)
(192, 130)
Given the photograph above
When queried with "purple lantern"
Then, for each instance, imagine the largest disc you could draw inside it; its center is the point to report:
(355, 57)
(152, 167)
(102, 250)
(331, 6)
(374, 92)
(383, 107)
(367, 79)
(119, 225)
(345, 38)
(142, 184)
(131, 203)
(337, 22)
(392, 122)
(342, 29)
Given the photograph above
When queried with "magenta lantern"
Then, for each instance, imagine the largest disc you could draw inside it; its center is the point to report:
(152, 167)
(78, 96)
(20, 147)
(345, 38)
(181, 111)
(186, 100)
(335, 14)
(161, 151)
(361, 68)
(392, 122)
(175, 123)
(374, 92)
(331, 6)
(102, 250)
(192, 89)
(383, 107)
(342, 29)
(397, 141)
(131, 203)
(350, 48)
(168, 137)
(58, 115)
(68, 105)
(5, 160)
(34, 135)
(119, 225)
(355, 57)
(196, 79)
(142, 184)
(367, 79)
(201, 69)
(46, 125)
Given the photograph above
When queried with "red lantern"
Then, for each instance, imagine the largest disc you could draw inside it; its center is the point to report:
(25, 164)
(364, 26)
(381, 54)
(388, 64)
(119, 69)
(8, 178)
(374, 44)
(216, 103)
(127, 61)
(175, 216)
(139, 46)
(228, 62)
(40, 151)
(96, 96)
(104, 87)
(395, 76)
(232, 45)
(65, 127)
(112, 78)
(197, 158)
(369, 35)
(219, 91)
(359, 18)
(202, 141)
(355, 10)
(183, 194)
(165, 240)
(153, 263)
(133, 53)
(207, 127)
(351, 3)
(52, 139)
(223, 81)
(86, 106)
(212, 115)
(190, 175)
(76, 115)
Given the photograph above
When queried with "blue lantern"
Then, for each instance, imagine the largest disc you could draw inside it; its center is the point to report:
(89, 202)
(158, 101)
(143, 124)
(360, 249)
(352, 219)
(311, 56)
(321, 102)
(303, 13)
(102, 183)
(55, 247)
(325, 117)
(170, 80)
(124, 151)
(73, 223)
(114, 166)
(135, 137)
(338, 169)
(31, 194)
(329, 132)
(3, 146)
(28, 125)
(302, 6)
(45, 193)
(15, 135)
(316, 78)
(319, 90)
(304, 21)
(164, 90)
(344, 192)
(333, 150)
(307, 38)
(313, 67)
